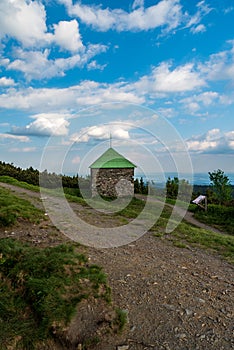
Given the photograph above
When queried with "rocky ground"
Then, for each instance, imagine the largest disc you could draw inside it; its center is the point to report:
(174, 298)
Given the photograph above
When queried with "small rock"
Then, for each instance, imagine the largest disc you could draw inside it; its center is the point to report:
(123, 347)
(195, 274)
(188, 312)
(181, 336)
(200, 300)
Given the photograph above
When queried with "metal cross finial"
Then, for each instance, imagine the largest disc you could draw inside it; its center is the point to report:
(110, 140)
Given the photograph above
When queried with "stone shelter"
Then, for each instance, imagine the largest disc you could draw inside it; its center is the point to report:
(112, 175)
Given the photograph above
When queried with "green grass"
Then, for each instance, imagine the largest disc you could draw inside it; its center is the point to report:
(218, 216)
(13, 208)
(221, 243)
(70, 194)
(133, 209)
(186, 234)
(121, 319)
(40, 290)
(22, 184)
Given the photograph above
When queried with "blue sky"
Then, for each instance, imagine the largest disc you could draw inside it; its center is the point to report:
(157, 75)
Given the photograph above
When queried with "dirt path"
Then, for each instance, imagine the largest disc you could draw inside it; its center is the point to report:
(34, 197)
(186, 215)
(175, 299)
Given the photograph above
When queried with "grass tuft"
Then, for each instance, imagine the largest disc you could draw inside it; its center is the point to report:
(186, 233)
(13, 208)
(40, 289)
(121, 319)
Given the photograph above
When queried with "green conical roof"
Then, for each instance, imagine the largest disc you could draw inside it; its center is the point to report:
(112, 159)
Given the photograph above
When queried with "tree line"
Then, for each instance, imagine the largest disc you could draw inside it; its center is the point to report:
(220, 190)
(50, 180)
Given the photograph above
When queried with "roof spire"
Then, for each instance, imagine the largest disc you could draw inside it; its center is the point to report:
(110, 140)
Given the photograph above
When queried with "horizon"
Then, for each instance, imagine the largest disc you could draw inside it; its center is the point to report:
(195, 178)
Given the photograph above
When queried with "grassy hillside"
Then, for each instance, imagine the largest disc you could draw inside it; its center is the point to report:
(40, 290)
(13, 208)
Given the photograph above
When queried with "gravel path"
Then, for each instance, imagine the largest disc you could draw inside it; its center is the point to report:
(174, 298)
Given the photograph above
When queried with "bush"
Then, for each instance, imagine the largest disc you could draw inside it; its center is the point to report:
(218, 215)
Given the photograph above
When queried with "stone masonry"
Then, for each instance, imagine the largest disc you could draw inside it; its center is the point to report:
(114, 182)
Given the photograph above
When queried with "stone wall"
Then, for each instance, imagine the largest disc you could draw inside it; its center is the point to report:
(113, 182)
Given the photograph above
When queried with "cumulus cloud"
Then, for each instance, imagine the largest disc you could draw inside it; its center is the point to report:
(219, 66)
(7, 81)
(52, 124)
(23, 20)
(167, 13)
(94, 65)
(196, 102)
(102, 132)
(214, 141)
(87, 93)
(67, 36)
(38, 64)
(164, 79)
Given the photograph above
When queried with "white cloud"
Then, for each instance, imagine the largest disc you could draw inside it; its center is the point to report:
(137, 3)
(200, 28)
(87, 93)
(67, 36)
(24, 20)
(166, 13)
(102, 132)
(24, 149)
(94, 65)
(163, 79)
(6, 81)
(52, 124)
(10, 137)
(205, 99)
(34, 64)
(166, 112)
(38, 65)
(194, 21)
(214, 141)
(4, 62)
(219, 66)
